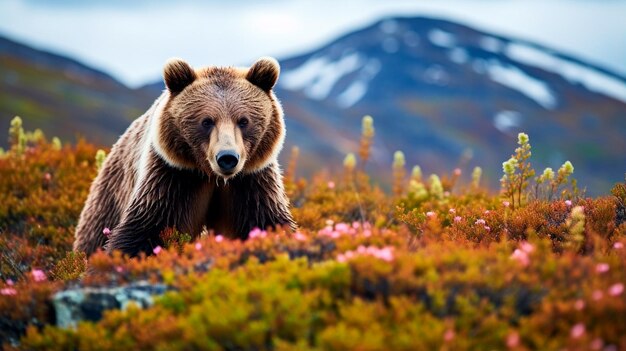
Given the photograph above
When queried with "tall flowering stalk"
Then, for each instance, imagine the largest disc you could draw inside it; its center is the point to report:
(398, 172)
(562, 176)
(576, 225)
(367, 136)
(517, 171)
(349, 164)
(546, 177)
(416, 173)
(436, 188)
(416, 187)
(17, 137)
(477, 173)
(100, 157)
(56, 144)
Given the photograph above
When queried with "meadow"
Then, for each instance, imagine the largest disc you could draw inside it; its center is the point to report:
(438, 263)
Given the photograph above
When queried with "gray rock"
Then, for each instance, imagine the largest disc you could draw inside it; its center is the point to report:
(89, 303)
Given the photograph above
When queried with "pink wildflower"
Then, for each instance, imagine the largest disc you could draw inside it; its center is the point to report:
(157, 249)
(577, 331)
(568, 203)
(106, 231)
(299, 236)
(385, 254)
(512, 340)
(8, 291)
(448, 335)
(602, 267)
(10, 282)
(257, 233)
(618, 246)
(431, 214)
(616, 289)
(38, 275)
(596, 344)
(119, 269)
(452, 211)
(506, 203)
(579, 304)
(487, 212)
(47, 177)
(487, 228)
(526, 247)
(198, 246)
(457, 172)
(597, 295)
(521, 257)
(457, 219)
(480, 221)
(326, 231)
(342, 227)
(219, 238)
(341, 258)
(254, 233)
(367, 233)
(356, 225)
(331, 185)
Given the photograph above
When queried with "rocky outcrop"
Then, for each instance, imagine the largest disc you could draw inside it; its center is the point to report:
(89, 303)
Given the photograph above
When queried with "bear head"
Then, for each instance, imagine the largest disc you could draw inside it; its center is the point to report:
(221, 120)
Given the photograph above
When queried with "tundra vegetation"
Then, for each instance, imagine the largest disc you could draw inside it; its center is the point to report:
(440, 262)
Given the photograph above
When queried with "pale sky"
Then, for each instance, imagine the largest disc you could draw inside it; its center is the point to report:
(132, 42)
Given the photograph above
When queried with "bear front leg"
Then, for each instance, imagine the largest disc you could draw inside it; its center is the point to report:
(166, 198)
(259, 201)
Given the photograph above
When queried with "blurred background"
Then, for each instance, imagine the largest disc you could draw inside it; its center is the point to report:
(450, 83)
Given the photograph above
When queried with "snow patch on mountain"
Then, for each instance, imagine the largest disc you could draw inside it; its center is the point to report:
(318, 75)
(458, 56)
(353, 94)
(298, 78)
(491, 44)
(592, 79)
(517, 79)
(442, 38)
(390, 45)
(357, 90)
(507, 121)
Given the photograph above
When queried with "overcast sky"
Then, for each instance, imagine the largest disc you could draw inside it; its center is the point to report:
(132, 42)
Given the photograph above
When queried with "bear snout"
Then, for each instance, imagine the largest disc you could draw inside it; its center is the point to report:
(227, 160)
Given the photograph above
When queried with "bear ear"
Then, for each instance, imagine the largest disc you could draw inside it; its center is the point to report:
(178, 75)
(264, 73)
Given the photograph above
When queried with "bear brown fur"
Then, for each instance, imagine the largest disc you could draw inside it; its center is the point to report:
(164, 171)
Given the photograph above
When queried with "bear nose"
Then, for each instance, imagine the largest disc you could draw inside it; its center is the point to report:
(227, 160)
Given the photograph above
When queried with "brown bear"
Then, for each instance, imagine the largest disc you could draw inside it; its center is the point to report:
(204, 155)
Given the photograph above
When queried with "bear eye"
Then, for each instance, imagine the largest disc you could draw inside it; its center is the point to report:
(242, 122)
(207, 123)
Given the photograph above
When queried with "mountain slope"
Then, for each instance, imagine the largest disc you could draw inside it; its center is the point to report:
(62, 96)
(441, 91)
(446, 94)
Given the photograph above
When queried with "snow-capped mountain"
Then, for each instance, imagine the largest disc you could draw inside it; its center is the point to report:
(442, 92)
